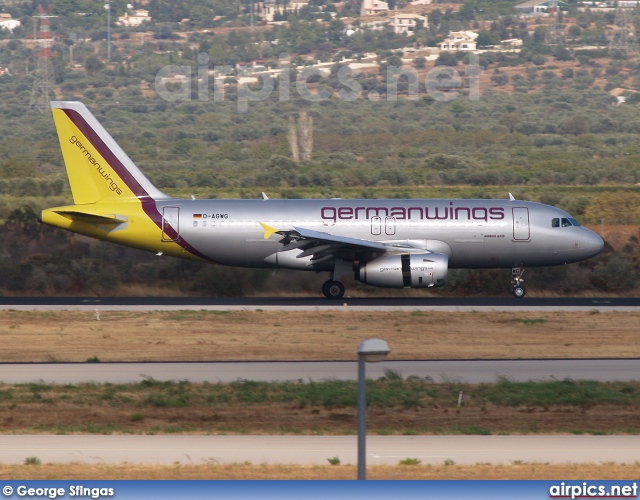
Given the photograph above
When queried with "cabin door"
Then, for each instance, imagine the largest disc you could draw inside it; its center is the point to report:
(170, 223)
(521, 229)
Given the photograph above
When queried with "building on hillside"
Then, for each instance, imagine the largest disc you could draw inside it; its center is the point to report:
(7, 23)
(406, 24)
(512, 43)
(460, 41)
(375, 25)
(373, 7)
(539, 6)
(259, 65)
(137, 17)
(421, 2)
(269, 9)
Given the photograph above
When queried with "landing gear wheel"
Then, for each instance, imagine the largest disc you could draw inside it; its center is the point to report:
(517, 289)
(333, 289)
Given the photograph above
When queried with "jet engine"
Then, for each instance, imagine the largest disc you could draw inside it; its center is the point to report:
(421, 270)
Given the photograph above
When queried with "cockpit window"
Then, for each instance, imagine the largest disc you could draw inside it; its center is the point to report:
(574, 222)
(564, 222)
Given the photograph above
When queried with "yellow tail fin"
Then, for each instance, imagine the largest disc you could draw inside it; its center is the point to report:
(97, 167)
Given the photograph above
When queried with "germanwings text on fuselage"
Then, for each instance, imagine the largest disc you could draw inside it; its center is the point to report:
(413, 213)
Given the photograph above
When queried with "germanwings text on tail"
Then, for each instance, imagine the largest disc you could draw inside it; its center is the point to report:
(387, 243)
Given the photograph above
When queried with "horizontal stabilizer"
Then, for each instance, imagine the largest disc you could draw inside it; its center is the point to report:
(90, 218)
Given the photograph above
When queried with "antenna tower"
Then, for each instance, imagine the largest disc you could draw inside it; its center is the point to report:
(623, 38)
(44, 76)
(554, 37)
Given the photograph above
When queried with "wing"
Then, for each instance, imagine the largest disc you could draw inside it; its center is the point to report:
(323, 246)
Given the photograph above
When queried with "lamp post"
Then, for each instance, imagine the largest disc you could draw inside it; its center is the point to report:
(369, 351)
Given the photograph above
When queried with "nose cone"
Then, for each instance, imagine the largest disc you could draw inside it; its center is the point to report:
(592, 244)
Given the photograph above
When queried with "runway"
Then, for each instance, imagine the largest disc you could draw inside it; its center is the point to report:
(463, 371)
(316, 450)
(313, 304)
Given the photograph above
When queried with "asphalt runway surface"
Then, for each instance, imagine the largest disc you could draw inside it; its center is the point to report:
(316, 450)
(295, 303)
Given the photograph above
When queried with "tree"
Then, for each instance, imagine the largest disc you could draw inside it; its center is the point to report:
(17, 167)
(487, 38)
(336, 32)
(539, 60)
(619, 273)
(574, 31)
(500, 79)
(562, 54)
(614, 208)
(510, 120)
(539, 34)
(164, 32)
(447, 59)
(576, 125)
(93, 65)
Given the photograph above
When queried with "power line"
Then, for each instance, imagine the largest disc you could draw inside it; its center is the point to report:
(44, 76)
(623, 38)
(554, 37)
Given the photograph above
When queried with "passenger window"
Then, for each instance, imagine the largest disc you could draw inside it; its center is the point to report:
(555, 222)
(566, 222)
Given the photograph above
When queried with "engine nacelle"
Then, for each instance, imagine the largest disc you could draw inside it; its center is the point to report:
(422, 270)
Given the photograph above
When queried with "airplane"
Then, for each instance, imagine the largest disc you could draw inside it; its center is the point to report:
(385, 243)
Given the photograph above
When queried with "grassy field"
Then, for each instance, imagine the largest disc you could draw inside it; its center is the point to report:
(66, 336)
(396, 406)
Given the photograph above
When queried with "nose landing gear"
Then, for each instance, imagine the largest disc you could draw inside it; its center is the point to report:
(517, 289)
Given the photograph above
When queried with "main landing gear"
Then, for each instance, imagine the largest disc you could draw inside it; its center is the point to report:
(517, 289)
(333, 289)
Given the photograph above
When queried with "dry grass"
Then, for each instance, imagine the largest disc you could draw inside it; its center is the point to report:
(260, 335)
(250, 471)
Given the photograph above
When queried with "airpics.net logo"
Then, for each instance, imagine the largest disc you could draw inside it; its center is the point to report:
(442, 83)
(589, 490)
